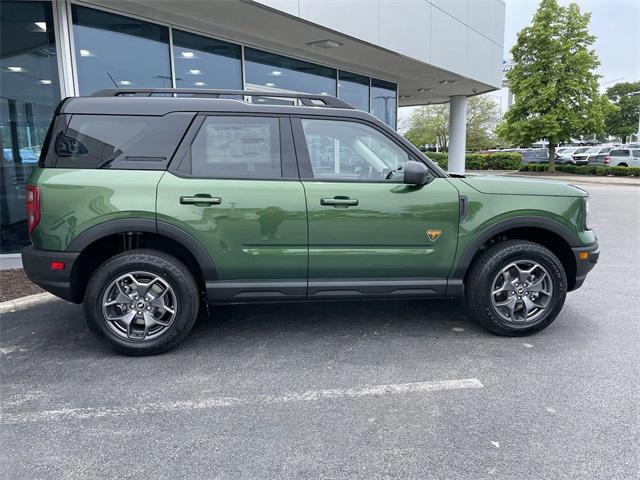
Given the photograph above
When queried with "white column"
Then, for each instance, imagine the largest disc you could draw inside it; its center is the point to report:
(64, 47)
(457, 133)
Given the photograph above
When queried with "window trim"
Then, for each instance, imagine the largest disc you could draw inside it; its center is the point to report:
(304, 160)
(288, 163)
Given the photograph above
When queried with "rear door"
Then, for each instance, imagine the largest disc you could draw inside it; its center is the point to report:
(368, 231)
(234, 187)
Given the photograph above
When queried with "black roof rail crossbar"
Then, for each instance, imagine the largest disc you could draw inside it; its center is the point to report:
(307, 99)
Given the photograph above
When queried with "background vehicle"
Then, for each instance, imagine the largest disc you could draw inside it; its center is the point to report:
(144, 207)
(582, 158)
(535, 156)
(564, 155)
(617, 157)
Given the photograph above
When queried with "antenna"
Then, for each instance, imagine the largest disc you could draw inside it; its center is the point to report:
(114, 82)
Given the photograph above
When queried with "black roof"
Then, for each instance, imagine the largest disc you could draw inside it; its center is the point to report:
(163, 101)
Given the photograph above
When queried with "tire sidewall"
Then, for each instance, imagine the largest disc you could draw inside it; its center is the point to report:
(494, 261)
(165, 266)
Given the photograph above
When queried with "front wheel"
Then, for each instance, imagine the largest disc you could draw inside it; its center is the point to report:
(516, 288)
(141, 302)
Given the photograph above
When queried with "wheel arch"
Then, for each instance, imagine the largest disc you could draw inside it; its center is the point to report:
(549, 233)
(99, 243)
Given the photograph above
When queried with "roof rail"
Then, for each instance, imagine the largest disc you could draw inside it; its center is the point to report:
(307, 99)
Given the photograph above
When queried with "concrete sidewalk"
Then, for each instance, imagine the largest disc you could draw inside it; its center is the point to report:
(563, 177)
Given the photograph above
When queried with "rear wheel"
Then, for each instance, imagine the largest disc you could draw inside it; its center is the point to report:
(516, 288)
(622, 164)
(141, 302)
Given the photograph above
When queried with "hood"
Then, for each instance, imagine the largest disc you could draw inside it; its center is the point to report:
(503, 185)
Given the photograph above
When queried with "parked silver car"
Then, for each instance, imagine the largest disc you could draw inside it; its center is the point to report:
(617, 157)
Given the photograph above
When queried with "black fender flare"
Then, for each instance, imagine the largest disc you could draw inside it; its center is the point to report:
(147, 225)
(501, 226)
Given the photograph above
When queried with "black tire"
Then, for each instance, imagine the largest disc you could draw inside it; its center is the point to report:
(171, 271)
(486, 268)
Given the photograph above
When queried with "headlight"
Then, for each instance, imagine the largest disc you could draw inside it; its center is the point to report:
(586, 221)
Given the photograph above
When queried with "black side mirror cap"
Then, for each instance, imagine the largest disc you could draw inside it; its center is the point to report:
(416, 173)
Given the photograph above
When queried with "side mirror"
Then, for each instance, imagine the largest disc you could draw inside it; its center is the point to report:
(416, 173)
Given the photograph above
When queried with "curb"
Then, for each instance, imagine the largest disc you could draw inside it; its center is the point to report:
(26, 302)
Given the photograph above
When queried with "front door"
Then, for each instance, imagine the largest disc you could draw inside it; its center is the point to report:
(369, 233)
(236, 190)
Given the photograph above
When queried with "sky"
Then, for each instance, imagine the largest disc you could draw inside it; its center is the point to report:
(615, 23)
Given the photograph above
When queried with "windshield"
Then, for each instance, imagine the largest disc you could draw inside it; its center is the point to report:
(581, 150)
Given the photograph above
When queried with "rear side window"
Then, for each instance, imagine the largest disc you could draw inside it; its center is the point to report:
(619, 153)
(236, 147)
(120, 141)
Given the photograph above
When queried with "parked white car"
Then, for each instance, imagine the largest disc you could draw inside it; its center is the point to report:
(618, 157)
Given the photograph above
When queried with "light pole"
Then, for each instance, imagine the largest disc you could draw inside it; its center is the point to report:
(638, 132)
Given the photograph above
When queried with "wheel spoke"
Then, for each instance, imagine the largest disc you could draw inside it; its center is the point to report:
(538, 285)
(125, 318)
(509, 304)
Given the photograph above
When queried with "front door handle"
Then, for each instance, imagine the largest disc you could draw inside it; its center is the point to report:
(339, 201)
(200, 200)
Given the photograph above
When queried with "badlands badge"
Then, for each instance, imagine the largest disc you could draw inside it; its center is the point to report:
(433, 234)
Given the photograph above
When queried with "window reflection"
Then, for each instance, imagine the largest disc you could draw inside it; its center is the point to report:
(268, 71)
(116, 51)
(384, 101)
(29, 93)
(354, 89)
(202, 62)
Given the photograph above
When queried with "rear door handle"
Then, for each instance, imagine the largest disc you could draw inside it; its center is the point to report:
(339, 201)
(203, 200)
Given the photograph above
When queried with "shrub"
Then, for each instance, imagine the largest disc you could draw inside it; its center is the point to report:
(439, 157)
(482, 161)
(601, 171)
(634, 171)
(503, 161)
(619, 171)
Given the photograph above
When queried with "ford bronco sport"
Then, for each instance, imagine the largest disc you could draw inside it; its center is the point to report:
(148, 205)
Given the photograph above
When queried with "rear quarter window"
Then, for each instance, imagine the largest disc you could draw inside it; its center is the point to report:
(620, 153)
(120, 141)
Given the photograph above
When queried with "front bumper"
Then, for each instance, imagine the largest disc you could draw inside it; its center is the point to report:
(37, 266)
(584, 265)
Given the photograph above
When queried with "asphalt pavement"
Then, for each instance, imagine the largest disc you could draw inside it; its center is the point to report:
(404, 389)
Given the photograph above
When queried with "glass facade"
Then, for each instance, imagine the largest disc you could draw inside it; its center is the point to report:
(270, 71)
(202, 62)
(116, 51)
(113, 50)
(384, 101)
(29, 93)
(354, 89)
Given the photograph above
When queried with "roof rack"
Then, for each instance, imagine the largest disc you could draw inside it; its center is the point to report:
(307, 99)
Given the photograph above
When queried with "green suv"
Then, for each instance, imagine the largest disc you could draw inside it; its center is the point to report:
(150, 205)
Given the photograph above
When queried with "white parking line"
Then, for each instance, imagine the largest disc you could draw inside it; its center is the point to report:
(217, 402)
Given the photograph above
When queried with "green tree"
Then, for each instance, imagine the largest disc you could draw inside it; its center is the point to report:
(553, 80)
(429, 125)
(622, 120)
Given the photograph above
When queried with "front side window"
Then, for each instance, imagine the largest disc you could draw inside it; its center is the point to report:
(237, 147)
(344, 150)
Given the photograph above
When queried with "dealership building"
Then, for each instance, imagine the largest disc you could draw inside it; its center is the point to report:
(377, 55)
